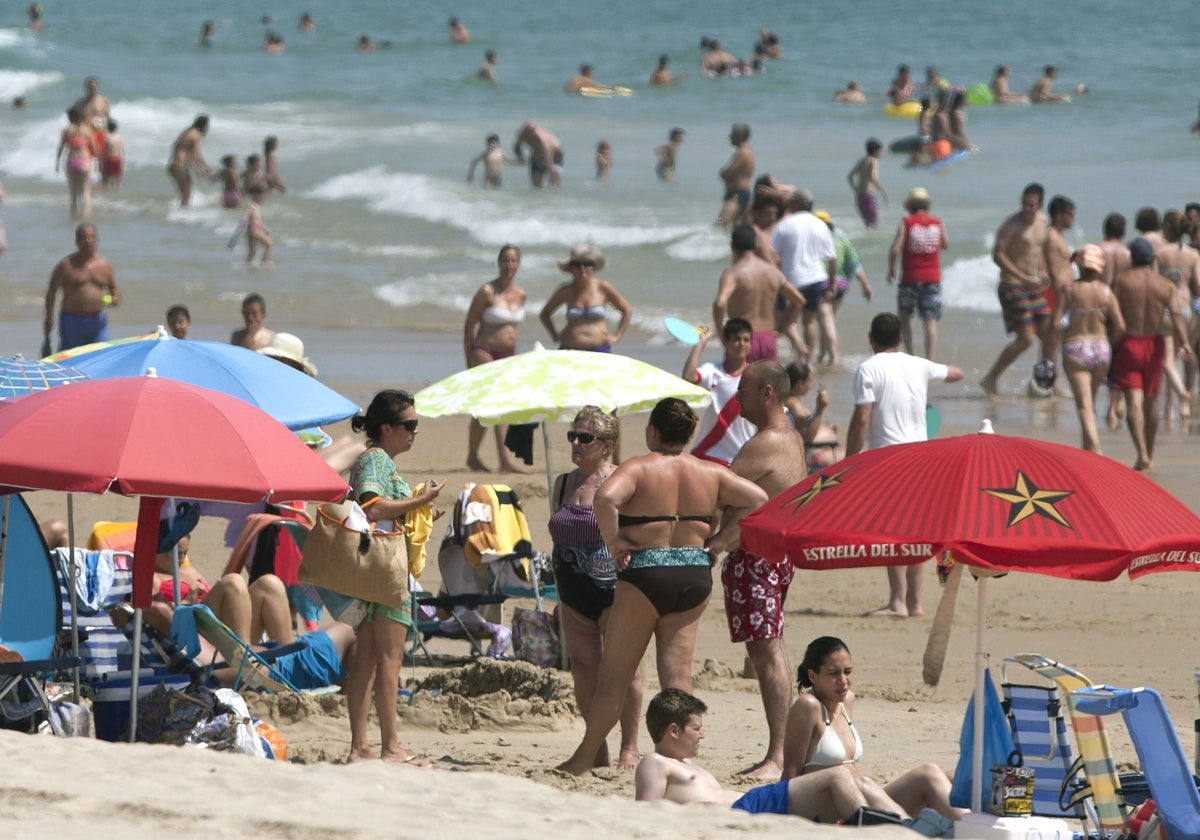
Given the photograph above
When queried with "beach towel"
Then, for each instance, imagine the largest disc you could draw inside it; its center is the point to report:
(997, 746)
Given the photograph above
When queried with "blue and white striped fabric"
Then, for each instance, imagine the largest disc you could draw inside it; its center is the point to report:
(1040, 733)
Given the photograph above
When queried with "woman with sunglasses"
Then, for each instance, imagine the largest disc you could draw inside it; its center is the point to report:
(586, 298)
(657, 513)
(490, 334)
(391, 426)
(585, 574)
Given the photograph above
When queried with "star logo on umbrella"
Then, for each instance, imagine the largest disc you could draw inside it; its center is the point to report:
(823, 482)
(1028, 500)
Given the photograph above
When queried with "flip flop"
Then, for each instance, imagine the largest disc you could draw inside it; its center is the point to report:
(682, 331)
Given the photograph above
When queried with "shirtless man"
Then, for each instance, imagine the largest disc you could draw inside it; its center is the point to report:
(92, 106)
(716, 61)
(459, 33)
(661, 77)
(1041, 92)
(665, 154)
(764, 214)
(1056, 255)
(737, 175)
(187, 155)
(1116, 255)
(1000, 90)
(756, 587)
(88, 285)
(487, 70)
(851, 95)
(1018, 252)
(1181, 265)
(863, 178)
(583, 79)
(675, 721)
(545, 154)
(254, 335)
(1137, 366)
(749, 289)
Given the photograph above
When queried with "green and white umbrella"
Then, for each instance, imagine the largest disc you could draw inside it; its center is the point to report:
(544, 385)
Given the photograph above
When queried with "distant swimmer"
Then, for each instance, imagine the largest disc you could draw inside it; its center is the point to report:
(271, 165)
(603, 160)
(93, 107)
(273, 43)
(716, 61)
(661, 77)
(206, 32)
(666, 153)
(253, 173)
(901, 89)
(231, 191)
(306, 22)
(187, 155)
(364, 43)
(35, 16)
(1042, 92)
(583, 79)
(492, 158)
(768, 45)
(458, 32)
(737, 175)
(257, 234)
(112, 162)
(934, 83)
(487, 70)
(852, 95)
(545, 154)
(1000, 91)
(863, 178)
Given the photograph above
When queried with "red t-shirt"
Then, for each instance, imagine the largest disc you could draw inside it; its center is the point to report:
(920, 259)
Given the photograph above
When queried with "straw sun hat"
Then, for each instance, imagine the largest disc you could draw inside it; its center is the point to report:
(289, 349)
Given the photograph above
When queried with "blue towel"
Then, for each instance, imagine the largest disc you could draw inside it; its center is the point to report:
(183, 629)
(997, 746)
(93, 588)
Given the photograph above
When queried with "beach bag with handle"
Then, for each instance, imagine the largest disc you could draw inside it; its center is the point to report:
(357, 562)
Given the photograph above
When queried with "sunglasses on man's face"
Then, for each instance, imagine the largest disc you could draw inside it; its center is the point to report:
(583, 438)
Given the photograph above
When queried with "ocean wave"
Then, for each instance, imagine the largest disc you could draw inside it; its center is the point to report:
(970, 283)
(486, 219)
(14, 83)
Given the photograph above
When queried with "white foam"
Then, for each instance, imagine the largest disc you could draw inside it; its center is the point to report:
(702, 246)
(486, 219)
(14, 83)
(970, 283)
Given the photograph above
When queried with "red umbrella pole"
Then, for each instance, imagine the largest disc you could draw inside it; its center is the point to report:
(145, 547)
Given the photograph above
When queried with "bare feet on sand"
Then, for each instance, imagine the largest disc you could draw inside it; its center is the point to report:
(475, 465)
(514, 467)
(397, 756)
(572, 768)
(989, 389)
(767, 770)
(888, 612)
(1143, 465)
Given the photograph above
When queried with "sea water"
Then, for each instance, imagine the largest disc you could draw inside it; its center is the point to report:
(381, 242)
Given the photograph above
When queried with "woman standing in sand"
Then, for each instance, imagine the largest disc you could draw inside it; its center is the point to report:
(820, 735)
(391, 426)
(586, 574)
(490, 333)
(76, 141)
(656, 513)
(586, 298)
(1093, 316)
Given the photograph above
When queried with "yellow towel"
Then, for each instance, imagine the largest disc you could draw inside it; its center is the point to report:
(418, 525)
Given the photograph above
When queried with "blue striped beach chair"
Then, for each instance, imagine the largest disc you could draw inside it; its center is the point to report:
(1035, 715)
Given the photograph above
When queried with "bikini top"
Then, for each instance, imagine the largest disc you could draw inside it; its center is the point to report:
(830, 751)
(1079, 309)
(496, 315)
(585, 313)
(624, 520)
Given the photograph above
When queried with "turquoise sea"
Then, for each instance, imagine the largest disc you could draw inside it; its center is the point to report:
(381, 242)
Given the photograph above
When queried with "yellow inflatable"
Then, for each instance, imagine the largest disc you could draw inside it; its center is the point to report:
(909, 110)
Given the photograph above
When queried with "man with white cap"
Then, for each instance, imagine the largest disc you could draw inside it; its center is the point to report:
(920, 239)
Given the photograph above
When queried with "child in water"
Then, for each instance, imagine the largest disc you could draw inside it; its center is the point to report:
(231, 194)
(113, 164)
(257, 233)
(493, 158)
(603, 160)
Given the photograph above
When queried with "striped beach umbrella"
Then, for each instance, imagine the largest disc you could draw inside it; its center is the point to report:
(20, 376)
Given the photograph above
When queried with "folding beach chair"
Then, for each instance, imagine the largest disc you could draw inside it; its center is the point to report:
(30, 619)
(1161, 755)
(1040, 735)
(254, 669)
(106, 579)
(1101, 795)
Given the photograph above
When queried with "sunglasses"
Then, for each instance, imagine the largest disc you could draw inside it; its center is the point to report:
(583, 438)
(407, 425)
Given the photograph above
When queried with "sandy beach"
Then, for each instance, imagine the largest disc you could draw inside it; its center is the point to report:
(495, 732)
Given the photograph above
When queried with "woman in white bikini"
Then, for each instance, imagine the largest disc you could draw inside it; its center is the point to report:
(820, 734)
(489, 334)
(1093, 316)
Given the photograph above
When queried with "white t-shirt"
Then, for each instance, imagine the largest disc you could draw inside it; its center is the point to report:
(723, 431)
(896, 384)
(804, 244)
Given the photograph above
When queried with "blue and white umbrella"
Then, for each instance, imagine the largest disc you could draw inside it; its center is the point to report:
(20, 376)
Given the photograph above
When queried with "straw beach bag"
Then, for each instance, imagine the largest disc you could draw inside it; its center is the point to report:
(360, 563)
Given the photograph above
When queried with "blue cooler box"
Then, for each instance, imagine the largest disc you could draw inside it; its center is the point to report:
(110, 707)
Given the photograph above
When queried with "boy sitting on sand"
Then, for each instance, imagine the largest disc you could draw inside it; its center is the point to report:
(675, 721)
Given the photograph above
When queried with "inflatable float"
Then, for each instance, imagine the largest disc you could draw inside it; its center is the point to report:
(979, 94)
(906, 110)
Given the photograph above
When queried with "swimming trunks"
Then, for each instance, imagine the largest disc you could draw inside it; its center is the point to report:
(674, 579)
(868, 208)
(763, 346)
(813, 294)
(1022, 306)
(494, 355)
(755, 589)
(742, 196)
(112, 166)
(231, 198)
(924, 298)
(1092, 353)
(829, 750)
(765, 799)
(939, 149)
(1137, 364)
(625, 520)
(503, 315)
(78, 330)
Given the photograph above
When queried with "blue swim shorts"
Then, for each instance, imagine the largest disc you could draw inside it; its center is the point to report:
(765, 799)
